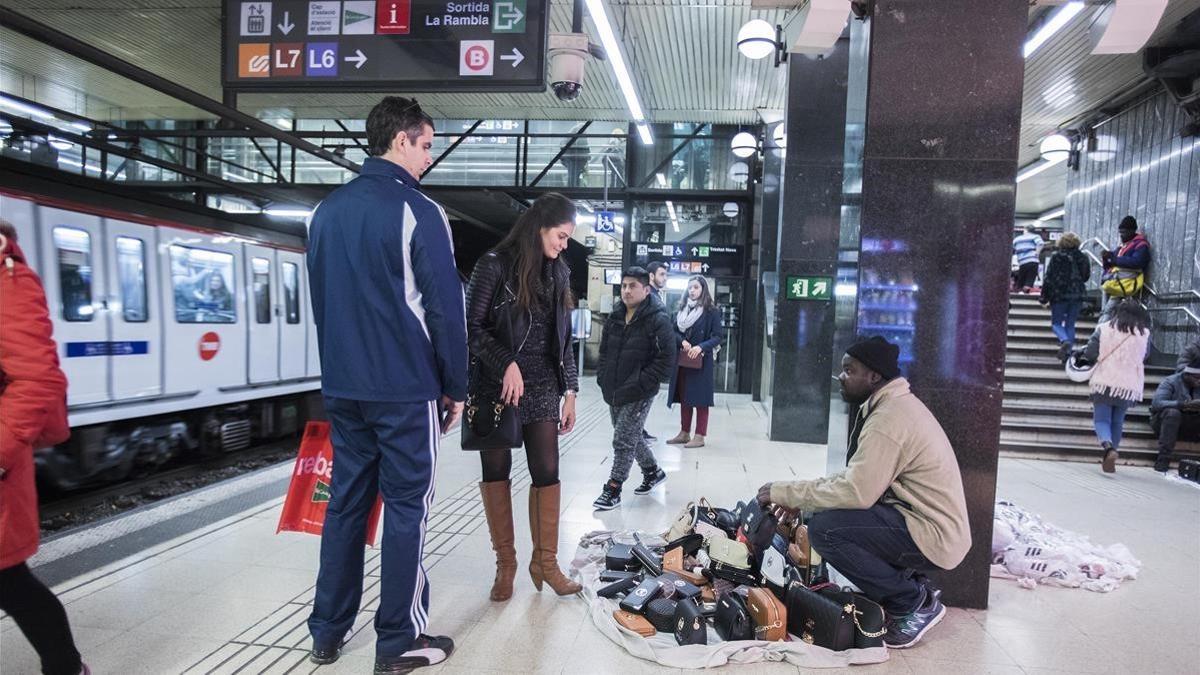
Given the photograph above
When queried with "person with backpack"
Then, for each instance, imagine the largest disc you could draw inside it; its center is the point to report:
(1118, 380)
(1063, 289)
(637, 353)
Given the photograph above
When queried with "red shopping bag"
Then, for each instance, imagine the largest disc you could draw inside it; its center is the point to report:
(308, 493)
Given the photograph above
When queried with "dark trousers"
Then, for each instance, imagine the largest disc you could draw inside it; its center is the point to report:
(873, 549)
(1171, 424)
(1027, 275)
(41, 618)
(378, 448)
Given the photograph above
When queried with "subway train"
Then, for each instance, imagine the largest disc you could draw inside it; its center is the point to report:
(175, 341)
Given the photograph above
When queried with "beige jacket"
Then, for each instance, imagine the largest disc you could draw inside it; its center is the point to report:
(905, 459)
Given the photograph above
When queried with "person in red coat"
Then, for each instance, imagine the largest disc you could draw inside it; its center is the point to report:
(33, 414)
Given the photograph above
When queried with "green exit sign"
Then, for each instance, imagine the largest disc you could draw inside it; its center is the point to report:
(809, 288)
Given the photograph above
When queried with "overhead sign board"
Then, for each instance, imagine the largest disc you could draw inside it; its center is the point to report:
(385, 45)
(693, 258)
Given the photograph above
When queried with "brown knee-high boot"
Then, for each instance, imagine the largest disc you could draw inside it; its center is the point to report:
(543, 526)
(497, 504)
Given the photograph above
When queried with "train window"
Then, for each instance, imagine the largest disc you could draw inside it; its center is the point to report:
(291, 292)
(75, 273)
(261, 269)
(131, 275)
(202, 282)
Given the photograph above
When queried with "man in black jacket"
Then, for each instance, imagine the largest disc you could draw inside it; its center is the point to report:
(637, 354)
(1175, 412)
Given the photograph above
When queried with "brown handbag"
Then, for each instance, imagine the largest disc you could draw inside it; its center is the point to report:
(691, 363)
(635, 623)
(673, 560)
(769, 614)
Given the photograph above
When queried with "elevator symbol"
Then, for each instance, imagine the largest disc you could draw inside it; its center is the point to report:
(256, 18)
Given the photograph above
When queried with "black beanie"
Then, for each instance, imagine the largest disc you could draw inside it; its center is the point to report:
(879, 355)
(1128, 223)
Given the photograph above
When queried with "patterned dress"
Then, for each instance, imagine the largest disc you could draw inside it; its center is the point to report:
(538, 363)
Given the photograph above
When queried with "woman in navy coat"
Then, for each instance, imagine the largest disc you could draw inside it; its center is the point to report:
(698, 333)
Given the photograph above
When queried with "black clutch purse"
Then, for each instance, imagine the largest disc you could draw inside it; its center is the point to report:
(733, 620)
(490, 425)
(639, 598)
(833, 618)
(620, 587)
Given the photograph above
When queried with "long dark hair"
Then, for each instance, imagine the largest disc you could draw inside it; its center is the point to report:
(706, 299)
(1130, 317)
(523, 246)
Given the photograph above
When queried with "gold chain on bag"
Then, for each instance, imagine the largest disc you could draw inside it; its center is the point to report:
(854, 613)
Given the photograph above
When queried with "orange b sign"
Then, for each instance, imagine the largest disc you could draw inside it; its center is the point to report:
(254, 60)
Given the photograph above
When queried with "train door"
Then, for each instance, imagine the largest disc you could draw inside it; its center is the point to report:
(292, 332)
(204, 322)
(263, 324)
(313, 352)
(73, 274)
(19, 212)
(134, 319)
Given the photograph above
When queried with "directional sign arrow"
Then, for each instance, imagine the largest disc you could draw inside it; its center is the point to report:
(704, 267)
(819, 287)
(516, 57)
(695, 251)
(287, 25)
(358, 59)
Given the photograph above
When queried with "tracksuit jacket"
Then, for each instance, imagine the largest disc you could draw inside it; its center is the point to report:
(386, 296)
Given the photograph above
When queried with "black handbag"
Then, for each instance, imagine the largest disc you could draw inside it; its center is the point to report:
(637, 599)
(691, 628)
(690, 543)
(661, 614)
(733, 620)
(723, 519)
(818, 619)
(676, 587)
(620, 557)
(490, 425)
(757, 526)
(868, 616)
(736, 575)
(651, 562)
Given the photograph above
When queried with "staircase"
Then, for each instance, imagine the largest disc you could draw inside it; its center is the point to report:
(1045, 414)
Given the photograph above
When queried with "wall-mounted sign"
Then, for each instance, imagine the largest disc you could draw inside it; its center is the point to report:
(809, 288)
(606, 222)
(689, 258)
(385, 45)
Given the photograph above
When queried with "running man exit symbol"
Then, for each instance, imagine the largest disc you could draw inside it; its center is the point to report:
(809, 288)
(508, 17)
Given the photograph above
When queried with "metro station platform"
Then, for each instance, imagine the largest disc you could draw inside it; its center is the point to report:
(202, 584)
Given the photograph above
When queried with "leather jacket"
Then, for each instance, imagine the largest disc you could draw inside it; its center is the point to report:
(497, 325)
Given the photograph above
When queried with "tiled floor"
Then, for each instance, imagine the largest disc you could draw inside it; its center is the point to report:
(233, 597)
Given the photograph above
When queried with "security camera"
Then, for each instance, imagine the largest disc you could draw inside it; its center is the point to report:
(569, 54)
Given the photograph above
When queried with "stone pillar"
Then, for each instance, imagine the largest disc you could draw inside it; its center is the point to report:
(809, 228)
(939, 164)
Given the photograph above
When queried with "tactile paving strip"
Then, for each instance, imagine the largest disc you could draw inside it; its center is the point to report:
(279, 642)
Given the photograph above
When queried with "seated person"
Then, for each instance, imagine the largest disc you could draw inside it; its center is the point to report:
(898, 508)
(1190, 353)
(1175, 412)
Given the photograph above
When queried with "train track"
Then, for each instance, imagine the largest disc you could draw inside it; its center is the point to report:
(89, 505)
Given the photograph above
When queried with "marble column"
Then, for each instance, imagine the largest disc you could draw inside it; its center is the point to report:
(809, 228)
(767, 240)
(939, 163)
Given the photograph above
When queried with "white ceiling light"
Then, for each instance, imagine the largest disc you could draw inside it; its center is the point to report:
(5, 127)
(608, 38)
(1061, 17)
(730, 209)
(756, 39)
(821, 23)
(60, 143)
(674, 218)
(1052, 215)
(288, 212)
(739, 172)
(780, 135)
(1126, 25)
(744, 144)
(1055, 148)
(661, 178)
(24, 108)
(1036, 168)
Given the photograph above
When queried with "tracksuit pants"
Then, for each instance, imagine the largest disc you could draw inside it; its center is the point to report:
(628, 444)
(378, 448)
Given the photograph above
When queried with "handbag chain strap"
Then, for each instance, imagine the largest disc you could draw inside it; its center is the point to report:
(852, 610)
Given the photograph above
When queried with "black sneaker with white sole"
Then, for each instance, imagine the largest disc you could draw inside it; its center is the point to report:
(905, 631)
(426, 650)
(650, 481)
(609, 499)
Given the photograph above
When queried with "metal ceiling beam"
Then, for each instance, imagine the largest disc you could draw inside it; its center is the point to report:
(561, 151)
(79, 49)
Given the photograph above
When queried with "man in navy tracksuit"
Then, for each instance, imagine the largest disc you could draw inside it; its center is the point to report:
(391, 327)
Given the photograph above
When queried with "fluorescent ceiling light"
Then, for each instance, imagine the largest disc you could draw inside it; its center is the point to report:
(1034, 169)
(1061, 17)
(671, 211)
(1052, 215)
(60, 143)
(288, 212)
(24, 109)
(661, 178)
(608, 38)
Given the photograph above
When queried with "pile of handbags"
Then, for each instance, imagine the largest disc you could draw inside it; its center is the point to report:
(747, 573)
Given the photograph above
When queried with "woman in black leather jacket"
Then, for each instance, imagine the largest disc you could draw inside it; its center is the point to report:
(519, 330)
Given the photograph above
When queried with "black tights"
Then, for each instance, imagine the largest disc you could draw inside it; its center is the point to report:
(541, 451)
(42, 619)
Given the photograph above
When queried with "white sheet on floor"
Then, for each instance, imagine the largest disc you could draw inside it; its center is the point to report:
(1032, 551)
(662, 648)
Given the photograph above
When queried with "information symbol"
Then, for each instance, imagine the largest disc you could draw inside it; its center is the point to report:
(477, 58)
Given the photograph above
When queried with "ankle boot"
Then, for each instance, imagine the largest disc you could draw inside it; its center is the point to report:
(497, 505)
(543, 526)
(680, 438)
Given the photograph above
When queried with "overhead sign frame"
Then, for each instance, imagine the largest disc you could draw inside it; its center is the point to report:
(259, 56)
